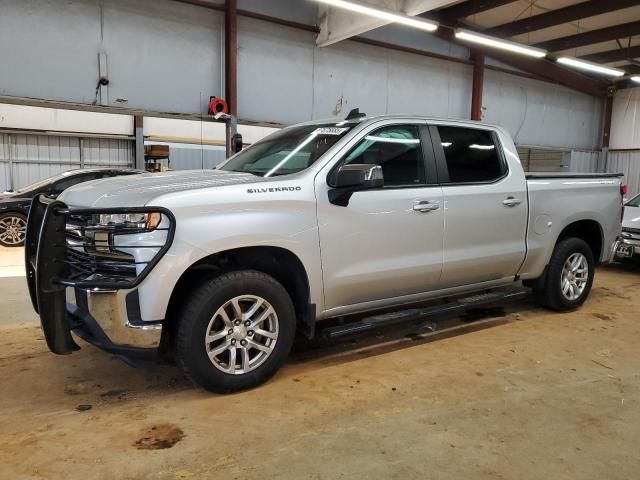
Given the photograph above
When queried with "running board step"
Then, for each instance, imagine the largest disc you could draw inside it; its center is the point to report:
(455, 307)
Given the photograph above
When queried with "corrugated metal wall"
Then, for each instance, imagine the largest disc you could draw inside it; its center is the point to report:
(585, 161)
(543, 160)
(627, 162)
(25, 159)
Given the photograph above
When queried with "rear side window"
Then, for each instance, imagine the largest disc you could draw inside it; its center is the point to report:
(471, 155)
(397, 150)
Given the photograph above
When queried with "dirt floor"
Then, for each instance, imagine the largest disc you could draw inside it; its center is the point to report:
(521, 393)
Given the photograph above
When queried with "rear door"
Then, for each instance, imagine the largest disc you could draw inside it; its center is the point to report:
(385, 243)
(485, 206)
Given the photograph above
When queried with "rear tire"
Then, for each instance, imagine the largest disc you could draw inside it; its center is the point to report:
(235, 331)
(569, 276)
(13, 229)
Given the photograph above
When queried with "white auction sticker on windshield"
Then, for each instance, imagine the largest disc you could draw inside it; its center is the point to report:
(330, 131)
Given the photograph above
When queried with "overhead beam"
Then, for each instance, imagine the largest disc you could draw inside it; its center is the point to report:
(613, 55)
(591, 37)
(337, 24)
(630, 68)
(539, 67)
(561, 15)
(468, 8)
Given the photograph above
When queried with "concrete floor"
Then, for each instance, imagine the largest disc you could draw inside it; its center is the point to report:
(521, 393)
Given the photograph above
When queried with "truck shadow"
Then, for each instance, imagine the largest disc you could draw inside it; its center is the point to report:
(399, 337)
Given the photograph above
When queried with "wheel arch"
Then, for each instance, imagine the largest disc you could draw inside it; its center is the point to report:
(278, 262)
(588, 230)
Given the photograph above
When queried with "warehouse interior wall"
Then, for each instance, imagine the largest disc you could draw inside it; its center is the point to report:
(166, 56)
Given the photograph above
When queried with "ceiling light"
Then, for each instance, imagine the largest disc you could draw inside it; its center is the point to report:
(383, 14)
(499, 43)
(636, 79)
(591, 67)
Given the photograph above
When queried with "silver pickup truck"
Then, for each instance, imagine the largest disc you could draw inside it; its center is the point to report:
(221, 268)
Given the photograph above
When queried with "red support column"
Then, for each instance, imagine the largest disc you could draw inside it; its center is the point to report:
(231, 55)
(478, 81)
(606, 124)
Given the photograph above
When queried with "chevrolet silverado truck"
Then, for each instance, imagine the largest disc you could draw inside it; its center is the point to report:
(220, 269)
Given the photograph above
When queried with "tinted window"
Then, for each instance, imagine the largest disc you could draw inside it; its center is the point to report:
(471, 154)
(397, 150)
(62, 185)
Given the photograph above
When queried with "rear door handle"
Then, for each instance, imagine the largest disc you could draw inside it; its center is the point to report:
(425, 206)
(511, 201)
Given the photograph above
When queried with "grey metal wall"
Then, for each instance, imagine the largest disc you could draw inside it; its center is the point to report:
(164, 55)
(160, 54)
(190, 156)
(25, 159)
(585, 161)
(627, 162)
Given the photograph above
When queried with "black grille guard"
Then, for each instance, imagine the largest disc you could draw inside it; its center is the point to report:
(48, 272)
(45, 262)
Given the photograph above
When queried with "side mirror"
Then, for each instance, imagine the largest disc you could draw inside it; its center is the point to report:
(353, 178)
(236, 143)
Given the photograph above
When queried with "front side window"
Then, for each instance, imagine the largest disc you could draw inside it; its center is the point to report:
(397, 150)
(288, 151)
(471, 154)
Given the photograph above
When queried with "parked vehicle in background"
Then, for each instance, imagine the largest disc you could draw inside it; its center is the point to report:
(222, 268)
(629, 247)
(14, 206)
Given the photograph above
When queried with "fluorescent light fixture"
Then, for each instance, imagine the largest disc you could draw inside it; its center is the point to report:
(591, 67)
(446, 144)
(499, 43)
(636, 79)
(373, 138)
(383, 14)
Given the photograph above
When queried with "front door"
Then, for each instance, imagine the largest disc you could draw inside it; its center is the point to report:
(385, 243)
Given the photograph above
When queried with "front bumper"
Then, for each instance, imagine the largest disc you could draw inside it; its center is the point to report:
(101, 314)
(627, 245)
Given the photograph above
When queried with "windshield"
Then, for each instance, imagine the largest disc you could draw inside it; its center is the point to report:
(288, 151)
(634, 202)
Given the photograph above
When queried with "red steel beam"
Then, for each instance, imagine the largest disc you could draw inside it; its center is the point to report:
(613, 55)
(589, 38)
(561, 15)
(606, 126)
(470, 7)
(478, 83)
(231, 55)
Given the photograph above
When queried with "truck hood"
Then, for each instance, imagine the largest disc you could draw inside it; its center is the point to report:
(139, 190)
(631, 218)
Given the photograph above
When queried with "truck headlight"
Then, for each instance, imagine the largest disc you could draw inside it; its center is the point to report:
(138, 221)
(115, 249)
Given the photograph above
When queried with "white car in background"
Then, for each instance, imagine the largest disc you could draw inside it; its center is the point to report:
(629, 248)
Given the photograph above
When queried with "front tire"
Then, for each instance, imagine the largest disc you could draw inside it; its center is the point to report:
(569, 276)
(235, 331)
(13, 229)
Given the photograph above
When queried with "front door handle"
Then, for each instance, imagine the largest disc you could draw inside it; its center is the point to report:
(511, 201)
(425, 206)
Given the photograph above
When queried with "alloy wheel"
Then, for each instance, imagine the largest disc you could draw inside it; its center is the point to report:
(242, 334)
(12, 230)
